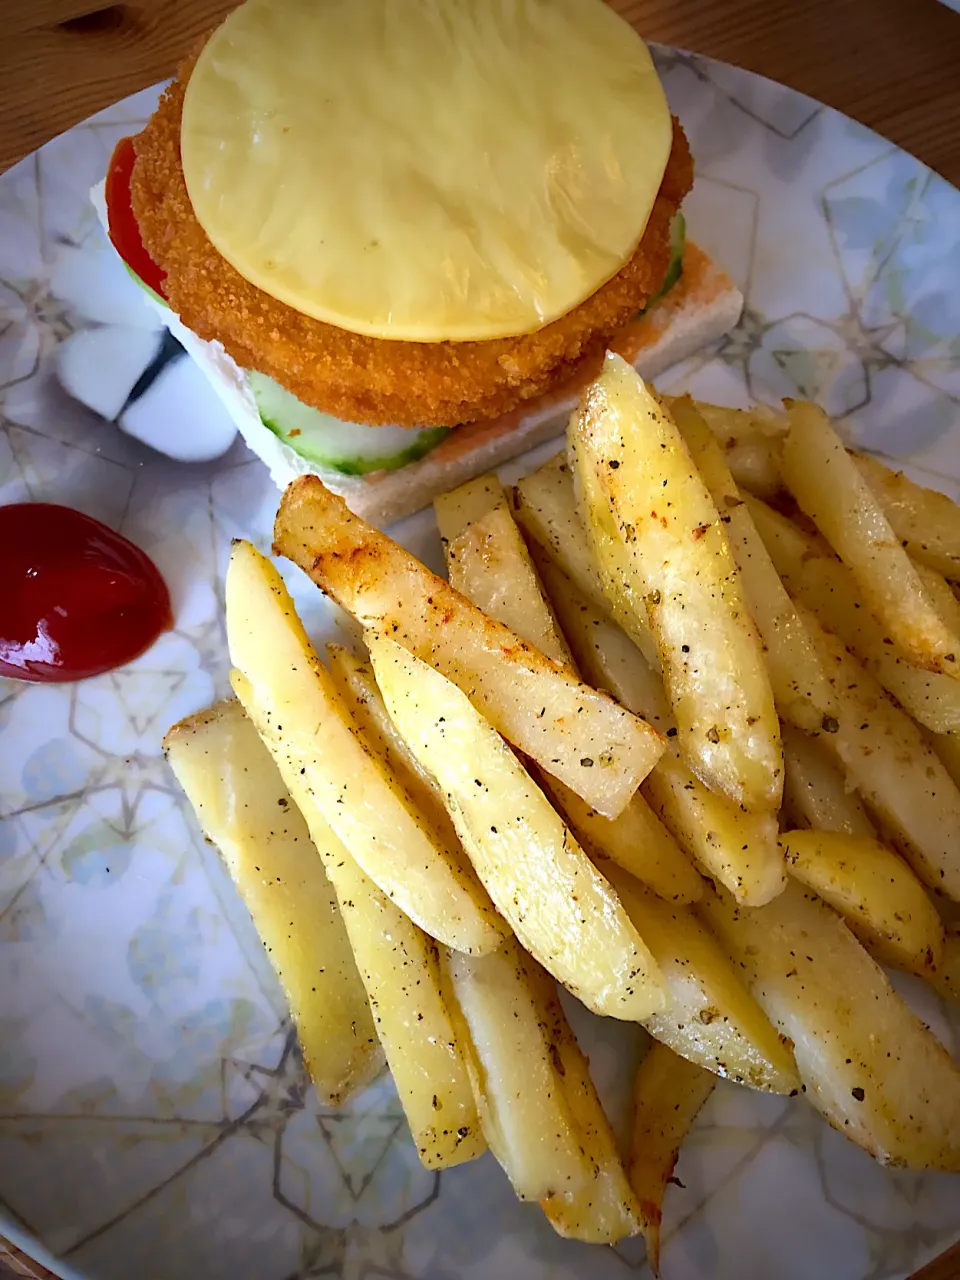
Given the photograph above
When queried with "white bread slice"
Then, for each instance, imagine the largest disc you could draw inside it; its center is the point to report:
(701, 307)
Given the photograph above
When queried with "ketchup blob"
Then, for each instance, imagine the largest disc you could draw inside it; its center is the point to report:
(76, 599)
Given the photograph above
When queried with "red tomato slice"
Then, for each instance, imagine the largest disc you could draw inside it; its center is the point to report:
(124, 229)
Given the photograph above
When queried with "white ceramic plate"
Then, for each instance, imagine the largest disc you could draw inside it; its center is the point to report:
(155, 1119)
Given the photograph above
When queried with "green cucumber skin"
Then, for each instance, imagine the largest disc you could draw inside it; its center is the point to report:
(426, 440)
(145, 287)
(326, 441)
(678, 241)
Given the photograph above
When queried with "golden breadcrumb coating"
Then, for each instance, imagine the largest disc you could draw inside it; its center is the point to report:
(359, 378)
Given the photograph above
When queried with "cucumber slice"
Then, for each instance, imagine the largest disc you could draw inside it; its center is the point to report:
(145, 287)
(347, 447)
(678, 240)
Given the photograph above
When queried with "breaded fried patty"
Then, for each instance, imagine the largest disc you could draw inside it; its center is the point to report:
(374, 380)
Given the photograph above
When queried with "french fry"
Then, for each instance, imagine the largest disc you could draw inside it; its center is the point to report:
(662, 549)
(882, 901)
(926, 523)
(750, 440)
(711, 1018)
(605, 1210)
(668, 1094)
(246, 811)
(815, 793)
(886, 756)
(946, 747)
(512, 1055)
(481, 567)
(466, 504)
(489, 563)
(637, 841)
(545, 507)
(944, 597)
(869, 1065)
(504, 582)
(399, 967)
(830, 489)
(946, 980)
(800, 687)
(366, 807)
(740, 849)
(602, 650)
(818, 580)
(358, 687)
(564, 913)
(532, 701)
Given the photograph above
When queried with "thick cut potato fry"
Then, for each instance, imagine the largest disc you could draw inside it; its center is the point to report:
(946, 747)
(561, 909)
(625, 594)
(246, 811)
(512, 1056)
(399, 967)
(830, 489)
(637, 841)
(358, 687)
(947, 978)
(545, 507)
(869, 1065)
(394, 843)
(603, 652)
(815, 793)
(738, 848)
(926, 523)
(489, 563)
(535, 703)
(750, 440)
(943, 595)
(659, 540)
(507, 588)
(711, 1018)
(605, 1210)
(818, 580)
(800, 686)
(668, 1094)
(462, 506)
(900, 778)
(875, 891)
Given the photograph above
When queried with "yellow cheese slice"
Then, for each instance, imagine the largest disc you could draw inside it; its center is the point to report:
(425, 169)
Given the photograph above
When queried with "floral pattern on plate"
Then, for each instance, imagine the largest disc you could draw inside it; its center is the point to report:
(155, 1117)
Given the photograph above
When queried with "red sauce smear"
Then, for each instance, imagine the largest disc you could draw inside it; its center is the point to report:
(76, 599)
(124, 228)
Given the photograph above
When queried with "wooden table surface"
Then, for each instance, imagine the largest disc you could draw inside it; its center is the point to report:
(892, 64)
